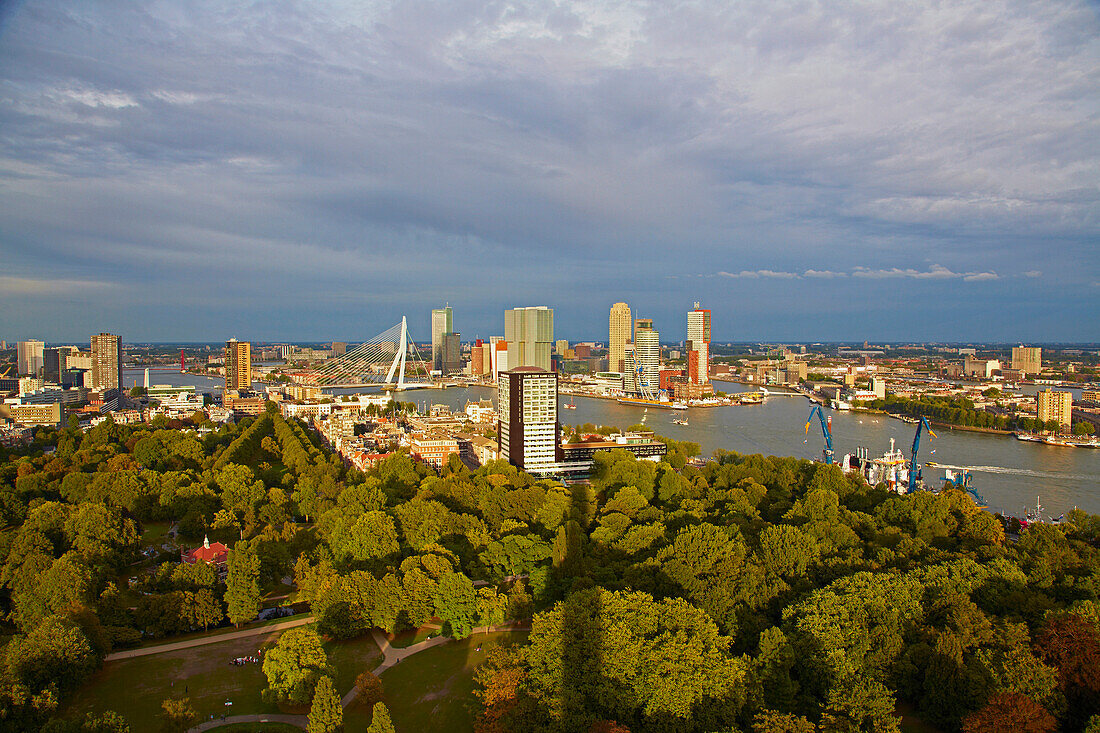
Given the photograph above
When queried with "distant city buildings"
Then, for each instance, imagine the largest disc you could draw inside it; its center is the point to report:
(618, 335)
(530, 336)
(238, 365)
(527, 423)
(1055, 405)
(106, 362)
(1027, 359)
(29, 358)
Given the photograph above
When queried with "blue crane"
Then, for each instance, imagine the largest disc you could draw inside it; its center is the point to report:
(826, 431)
(914, 467)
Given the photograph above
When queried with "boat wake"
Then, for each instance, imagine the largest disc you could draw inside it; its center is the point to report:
(1017, 472)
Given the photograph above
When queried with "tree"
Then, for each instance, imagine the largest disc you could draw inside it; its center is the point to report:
(1083, 428)
(54, 652)
(860, 704)
(295, 664)
(369, 689)
(325, 714)
(1010, 712)
(625, 656)
(201, 607)
(177, 715)
(380, 719)
(456, 602)
(770, 721)
(242, 592)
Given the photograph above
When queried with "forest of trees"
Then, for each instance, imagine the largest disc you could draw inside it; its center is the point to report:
(750, 593)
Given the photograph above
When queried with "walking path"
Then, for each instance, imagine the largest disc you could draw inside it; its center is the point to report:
(390, 657)
(203, 641)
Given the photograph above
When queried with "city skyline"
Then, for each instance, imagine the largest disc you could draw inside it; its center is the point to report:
(884, 172)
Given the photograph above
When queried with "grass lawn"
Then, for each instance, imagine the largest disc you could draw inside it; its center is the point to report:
(351, 658)
(218, 631)
(432, 690)
(412, 636)
(154, 533)
(136, 687)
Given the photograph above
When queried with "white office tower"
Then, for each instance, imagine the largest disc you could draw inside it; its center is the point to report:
(29, 357)
(642, 373)
(530, 336)
(527, 422)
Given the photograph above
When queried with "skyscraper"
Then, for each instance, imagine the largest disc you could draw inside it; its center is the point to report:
(1055, 405)
(530, 336)
(238, 365)
(527, 423)
(1028, 359)
(441, 325)
(452, 353)
(55, 362)
(106, 362)
(29, 357)
(698, 340)
(643, 360)
(618, 335)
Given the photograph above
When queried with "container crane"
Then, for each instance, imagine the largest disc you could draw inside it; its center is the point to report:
(826, 432)
(914, 467)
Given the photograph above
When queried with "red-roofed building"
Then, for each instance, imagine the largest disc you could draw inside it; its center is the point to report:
(214, 553)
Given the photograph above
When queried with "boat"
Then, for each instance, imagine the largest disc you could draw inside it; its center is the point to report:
(645, 402)
(678, 405)
(679, 421)
(571, 404)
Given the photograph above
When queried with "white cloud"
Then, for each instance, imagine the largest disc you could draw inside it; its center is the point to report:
(981, 277)
(826, 274)
(1033, 273)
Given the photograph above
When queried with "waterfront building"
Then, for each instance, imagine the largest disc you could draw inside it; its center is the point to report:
(106, 362)
(442, 324)
(1028, 359)
(618, 335)
(452, 353)
(29, 357)
(878, 386)
(642, 373)
(527, 422)
(530, 335)
(698, 341)
(238, 365)
(1055, 405)
(982, 368)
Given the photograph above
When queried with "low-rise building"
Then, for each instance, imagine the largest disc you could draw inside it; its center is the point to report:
(434, 449)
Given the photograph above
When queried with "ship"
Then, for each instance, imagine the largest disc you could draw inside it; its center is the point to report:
(679, 421)
(891, 468)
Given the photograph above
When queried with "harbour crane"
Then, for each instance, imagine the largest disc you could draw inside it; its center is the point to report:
(914, 467)
(826, 432)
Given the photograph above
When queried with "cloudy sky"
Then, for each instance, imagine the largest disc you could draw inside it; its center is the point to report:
(314, 170)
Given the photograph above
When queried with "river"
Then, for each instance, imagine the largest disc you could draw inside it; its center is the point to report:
(1009, 474)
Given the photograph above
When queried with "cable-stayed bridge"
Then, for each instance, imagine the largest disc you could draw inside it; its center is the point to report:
(390, 359)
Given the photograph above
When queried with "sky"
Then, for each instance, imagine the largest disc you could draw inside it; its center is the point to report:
(313, 170)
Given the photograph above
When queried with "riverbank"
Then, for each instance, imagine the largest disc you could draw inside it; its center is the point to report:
(936, 423)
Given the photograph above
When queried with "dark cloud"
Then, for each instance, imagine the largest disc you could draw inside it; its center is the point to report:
(298, 169)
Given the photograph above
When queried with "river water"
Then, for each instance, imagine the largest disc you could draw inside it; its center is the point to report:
(1009, 474)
